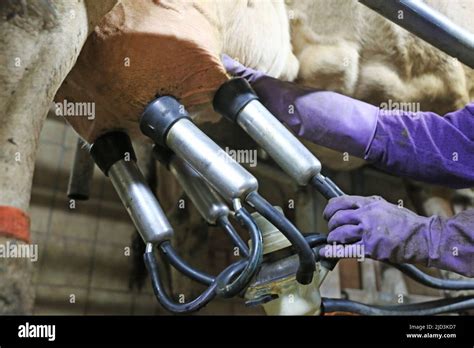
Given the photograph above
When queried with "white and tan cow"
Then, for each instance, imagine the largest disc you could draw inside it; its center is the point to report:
(144, 47)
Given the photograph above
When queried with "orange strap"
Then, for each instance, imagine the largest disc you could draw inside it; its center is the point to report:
(14, 223)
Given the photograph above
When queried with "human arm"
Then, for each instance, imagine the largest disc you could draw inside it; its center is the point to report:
(422, 146)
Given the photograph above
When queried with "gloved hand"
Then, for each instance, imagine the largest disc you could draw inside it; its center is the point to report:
(388, 232)
(326, 118)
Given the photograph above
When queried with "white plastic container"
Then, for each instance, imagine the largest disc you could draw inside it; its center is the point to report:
(293, 298)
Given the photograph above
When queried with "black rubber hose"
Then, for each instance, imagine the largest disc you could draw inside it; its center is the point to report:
(252, 264)
(456, 304)
(223, 221)
(316, 239)
(326, 187)
(165, 300)
(177, 262)
(227, 275)
(433, 282)
(307, 266)
(336, 188)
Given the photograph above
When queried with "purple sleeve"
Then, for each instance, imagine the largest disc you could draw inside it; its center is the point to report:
(425, 146)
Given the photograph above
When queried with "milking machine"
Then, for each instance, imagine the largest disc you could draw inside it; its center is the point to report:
(280, 267)
(113, 153)
(214, 211)
(167, 123)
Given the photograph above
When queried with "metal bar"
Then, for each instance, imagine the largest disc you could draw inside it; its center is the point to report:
(82, 172)
(428, 24)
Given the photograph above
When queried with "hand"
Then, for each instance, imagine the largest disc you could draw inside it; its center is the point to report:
(386, 232)
(236, 69)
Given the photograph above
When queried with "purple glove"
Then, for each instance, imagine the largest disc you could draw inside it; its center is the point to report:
(391, 233)
(440, 149)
